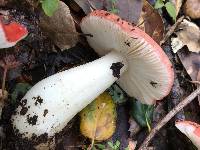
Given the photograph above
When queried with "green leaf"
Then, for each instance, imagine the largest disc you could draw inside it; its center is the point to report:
(159, 4)
(142, 113)
(171, 10)
(117, 144)
(100, 146)
(111, 145)
(20, 90)
(49, 6)
(117, 94)
(114, 10)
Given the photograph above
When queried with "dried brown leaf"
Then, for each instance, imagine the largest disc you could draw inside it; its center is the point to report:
(134, 127)
(129, 10)
(60, 27)
(151, 22)
(188, 34)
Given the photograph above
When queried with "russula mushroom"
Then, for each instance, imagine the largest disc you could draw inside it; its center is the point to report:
(11, 33)
(191, 130)
(143, 70)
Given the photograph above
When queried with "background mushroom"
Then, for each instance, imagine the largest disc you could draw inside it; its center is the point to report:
(191, 130)
(143, 70)
(11, 33)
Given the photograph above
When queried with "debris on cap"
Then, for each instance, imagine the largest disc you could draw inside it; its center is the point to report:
(191, 130)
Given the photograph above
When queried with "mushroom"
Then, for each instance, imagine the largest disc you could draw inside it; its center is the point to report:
(11, 33)
(143, 70)
(191, 130)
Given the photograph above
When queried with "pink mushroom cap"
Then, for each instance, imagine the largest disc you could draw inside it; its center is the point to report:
(150, 74)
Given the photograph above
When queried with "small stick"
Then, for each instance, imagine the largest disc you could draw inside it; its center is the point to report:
(171, 114)
(195, 82)
(92, 7)
(171, 30)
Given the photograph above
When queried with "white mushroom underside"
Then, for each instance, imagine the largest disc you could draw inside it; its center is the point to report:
(147, 78)
(188, 130)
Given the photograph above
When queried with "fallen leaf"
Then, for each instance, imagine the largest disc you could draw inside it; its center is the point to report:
(142, 113)
(134, 127)
(98, 119)
(49, 6)
(19, 90)
(117, 94)
(191, 63)
(60, 27)
(49, 145)
(151, 22)
(177, 4)
(188, 34)
(171, 10)
(129, 10)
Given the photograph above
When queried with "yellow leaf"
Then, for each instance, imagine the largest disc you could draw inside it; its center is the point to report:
(98, 119)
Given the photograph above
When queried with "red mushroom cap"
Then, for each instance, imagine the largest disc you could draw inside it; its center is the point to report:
(150, 74)
(191, 130)
(11, 33)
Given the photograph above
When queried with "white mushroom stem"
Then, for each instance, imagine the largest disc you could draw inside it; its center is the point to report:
(54, 101)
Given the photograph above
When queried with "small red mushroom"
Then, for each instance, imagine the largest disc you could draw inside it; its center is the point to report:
(11, 33)
(191, 130)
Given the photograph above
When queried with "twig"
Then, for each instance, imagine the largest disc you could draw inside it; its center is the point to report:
(92, 7)
(171, 114)
(171, 30)
(4, 81)
(195, 82)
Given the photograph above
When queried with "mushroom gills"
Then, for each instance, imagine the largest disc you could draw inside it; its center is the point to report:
(54, 101)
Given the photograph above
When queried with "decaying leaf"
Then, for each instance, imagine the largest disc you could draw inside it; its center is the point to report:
(188, 34)
(60, 27)
(49, 145)
(129, 10)
(191, 63)
(134, 127)
(117, 94)
(98, 119)
(192, 8)
(151, 22)
(20, 90)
